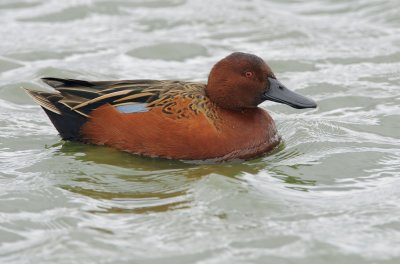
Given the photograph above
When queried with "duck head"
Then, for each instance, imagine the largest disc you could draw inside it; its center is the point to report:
(243, 80)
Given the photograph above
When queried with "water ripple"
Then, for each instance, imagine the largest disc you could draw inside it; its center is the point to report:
(327, 194)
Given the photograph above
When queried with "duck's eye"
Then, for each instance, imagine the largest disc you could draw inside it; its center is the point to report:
(249, 74)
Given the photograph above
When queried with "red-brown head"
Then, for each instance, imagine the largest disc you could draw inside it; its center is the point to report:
(243, 80)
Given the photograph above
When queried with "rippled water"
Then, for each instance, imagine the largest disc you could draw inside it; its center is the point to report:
(330, 194)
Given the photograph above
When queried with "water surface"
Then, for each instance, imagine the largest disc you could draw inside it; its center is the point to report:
(330, 194)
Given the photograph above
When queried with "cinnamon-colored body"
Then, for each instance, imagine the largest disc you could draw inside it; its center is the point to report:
(234, 135)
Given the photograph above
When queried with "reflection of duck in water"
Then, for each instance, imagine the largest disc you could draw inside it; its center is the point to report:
(175, 119)
(156, 185)
(127, 183)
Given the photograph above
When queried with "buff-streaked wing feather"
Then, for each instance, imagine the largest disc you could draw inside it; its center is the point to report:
(44, 100)
(84, 96)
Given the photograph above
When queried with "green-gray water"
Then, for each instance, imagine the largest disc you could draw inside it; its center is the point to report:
(330, 194)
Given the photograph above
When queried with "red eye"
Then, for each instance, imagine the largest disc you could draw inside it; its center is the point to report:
(249, 74)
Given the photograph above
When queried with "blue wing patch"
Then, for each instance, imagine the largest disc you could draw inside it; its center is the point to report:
(132, 108)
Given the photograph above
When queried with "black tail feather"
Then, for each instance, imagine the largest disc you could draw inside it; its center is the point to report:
(58, 82)
(67, 122)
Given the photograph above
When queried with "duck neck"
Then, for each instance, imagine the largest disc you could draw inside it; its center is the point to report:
(223, 101)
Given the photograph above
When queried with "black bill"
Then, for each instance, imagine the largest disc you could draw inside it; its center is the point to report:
(277, 92)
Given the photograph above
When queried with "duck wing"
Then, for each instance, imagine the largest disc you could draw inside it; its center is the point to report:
(127, 96)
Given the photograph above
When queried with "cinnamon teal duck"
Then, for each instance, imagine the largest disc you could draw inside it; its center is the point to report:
(183, 120)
